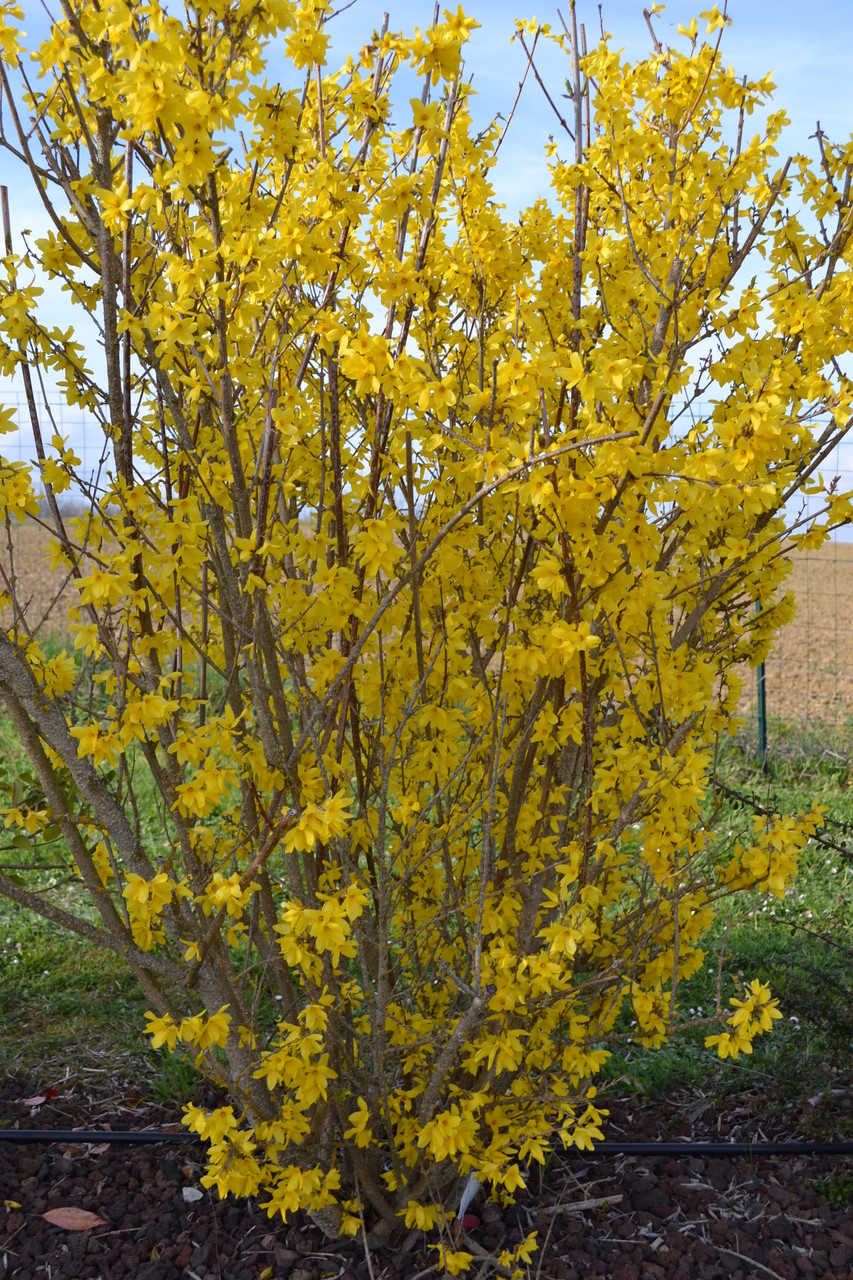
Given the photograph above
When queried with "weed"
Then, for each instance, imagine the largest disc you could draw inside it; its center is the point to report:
(836, 1188)
(174, 1079)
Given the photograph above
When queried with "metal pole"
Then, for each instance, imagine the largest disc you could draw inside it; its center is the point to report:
(762, 710)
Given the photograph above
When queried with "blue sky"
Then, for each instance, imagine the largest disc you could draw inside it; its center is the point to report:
(810, 58)
(807, 48)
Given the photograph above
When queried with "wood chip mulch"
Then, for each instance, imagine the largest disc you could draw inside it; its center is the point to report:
(623, 1217)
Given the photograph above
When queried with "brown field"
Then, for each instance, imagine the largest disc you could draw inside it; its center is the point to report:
(41, 591)
(809, 675)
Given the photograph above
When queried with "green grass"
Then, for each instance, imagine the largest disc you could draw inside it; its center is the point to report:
(57, 991)
(802, 944)
(65, 1002)
(67, 1005)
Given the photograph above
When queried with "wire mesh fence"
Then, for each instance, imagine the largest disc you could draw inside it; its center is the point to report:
(80, 430)
(808, 677)
(800, 701)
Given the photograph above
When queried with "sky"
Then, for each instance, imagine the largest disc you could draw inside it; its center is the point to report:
(806, 48)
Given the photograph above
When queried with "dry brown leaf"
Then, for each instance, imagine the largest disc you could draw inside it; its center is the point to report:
(73, 1219)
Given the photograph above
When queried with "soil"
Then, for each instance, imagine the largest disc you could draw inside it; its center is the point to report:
(623, 1217)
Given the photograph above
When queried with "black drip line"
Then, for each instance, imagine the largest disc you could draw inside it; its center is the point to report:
(714, 1150)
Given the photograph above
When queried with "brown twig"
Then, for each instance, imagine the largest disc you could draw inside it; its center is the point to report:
(246, 878)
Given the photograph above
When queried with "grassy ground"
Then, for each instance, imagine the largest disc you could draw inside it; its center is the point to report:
(801, 944)
(64, 1003)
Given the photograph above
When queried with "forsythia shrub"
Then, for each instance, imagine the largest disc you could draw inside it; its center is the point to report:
(414, 591)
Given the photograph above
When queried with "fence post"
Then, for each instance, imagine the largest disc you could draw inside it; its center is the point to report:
(762, 709)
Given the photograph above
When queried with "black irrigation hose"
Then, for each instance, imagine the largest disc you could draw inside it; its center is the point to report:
(720, 1150)
(127, 1137)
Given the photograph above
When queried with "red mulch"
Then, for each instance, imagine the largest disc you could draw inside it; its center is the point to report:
(688, 1218)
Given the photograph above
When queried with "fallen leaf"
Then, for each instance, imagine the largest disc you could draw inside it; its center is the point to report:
(73, 1219)
(11, 1204)
(191, 1194)
(38, 1098)
(73, 1149)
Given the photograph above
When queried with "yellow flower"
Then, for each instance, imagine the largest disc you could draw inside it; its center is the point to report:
(420, 1217)
(202, 1032)
(454, 1261)
(306, 47)
(162, 1030)
(360, 1132)
(91, 742)
(102, 588)
(115, 206)
(448, 1134)
(730, 1043)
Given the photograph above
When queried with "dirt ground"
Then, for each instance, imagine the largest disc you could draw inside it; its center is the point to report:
(809, 676)
(688, 1217)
